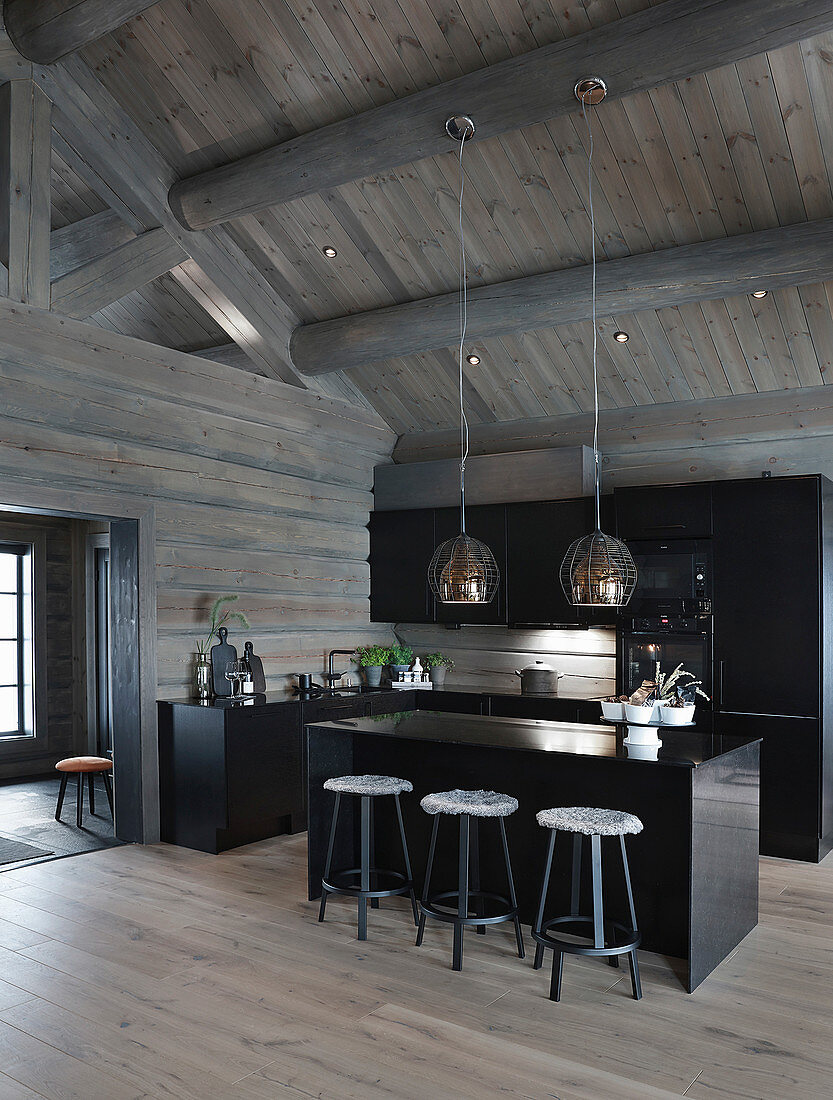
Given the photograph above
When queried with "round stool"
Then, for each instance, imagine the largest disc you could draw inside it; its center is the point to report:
(454, 906)
(367, 787)
(610, 938)
(80, 766)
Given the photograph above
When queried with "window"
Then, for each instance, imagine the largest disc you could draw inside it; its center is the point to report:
(16, 657)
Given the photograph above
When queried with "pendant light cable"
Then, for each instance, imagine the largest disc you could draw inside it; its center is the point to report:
(464, 422)
(596, 465)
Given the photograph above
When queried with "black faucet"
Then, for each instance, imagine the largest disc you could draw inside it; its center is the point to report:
(333, 677)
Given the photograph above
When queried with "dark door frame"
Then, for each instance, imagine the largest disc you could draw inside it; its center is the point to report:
(133, 640)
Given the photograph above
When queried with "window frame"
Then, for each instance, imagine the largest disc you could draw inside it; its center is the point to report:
(23, 552)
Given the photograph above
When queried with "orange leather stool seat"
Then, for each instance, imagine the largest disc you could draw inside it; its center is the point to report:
(84, 764)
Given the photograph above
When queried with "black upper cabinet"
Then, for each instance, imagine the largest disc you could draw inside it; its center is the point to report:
(767, 596)
(664, 512)
(486, 522)
(401, 545)
(537, 537)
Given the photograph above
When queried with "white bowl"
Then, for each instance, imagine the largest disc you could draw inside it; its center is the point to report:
(642, 735)
(676, 716)
(614, 712)
(639, 715)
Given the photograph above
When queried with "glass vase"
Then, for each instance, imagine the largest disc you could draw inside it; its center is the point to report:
(202, 678)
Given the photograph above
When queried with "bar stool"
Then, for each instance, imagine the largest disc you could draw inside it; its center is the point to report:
(610, 938)
(81, 766)
(367, 787)
(454, 906)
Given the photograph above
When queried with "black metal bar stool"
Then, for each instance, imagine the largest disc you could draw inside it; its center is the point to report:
(455, 906)
(370, 877)
(610, 938)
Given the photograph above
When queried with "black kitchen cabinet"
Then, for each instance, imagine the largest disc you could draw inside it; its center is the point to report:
(664, 512)
(791, 800)
(487, 523)
(538, 535)
(401, 546)
(767, 596)
(452, 702)
(353, 705)
(539, 708)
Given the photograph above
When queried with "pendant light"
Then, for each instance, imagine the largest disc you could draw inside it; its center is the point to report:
(463, 570)
(597, 570)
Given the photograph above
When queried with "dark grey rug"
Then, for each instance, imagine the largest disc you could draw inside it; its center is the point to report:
(12, 851)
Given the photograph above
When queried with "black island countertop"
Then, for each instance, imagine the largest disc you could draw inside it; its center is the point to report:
(679, 747)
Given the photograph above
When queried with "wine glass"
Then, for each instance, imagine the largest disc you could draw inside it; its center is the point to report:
(232, 674)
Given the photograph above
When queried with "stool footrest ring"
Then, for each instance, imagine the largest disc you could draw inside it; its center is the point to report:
(449, 899)
(631, 938)
(332, 886)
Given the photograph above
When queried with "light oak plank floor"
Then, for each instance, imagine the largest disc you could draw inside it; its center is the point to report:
(159, 972)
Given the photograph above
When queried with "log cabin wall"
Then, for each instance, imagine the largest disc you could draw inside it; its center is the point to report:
(259, 488)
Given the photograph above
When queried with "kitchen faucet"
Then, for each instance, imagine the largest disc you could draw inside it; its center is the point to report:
(333, 677)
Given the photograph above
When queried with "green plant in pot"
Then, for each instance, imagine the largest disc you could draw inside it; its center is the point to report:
(372, 659)
(438, 664)
(400, 659)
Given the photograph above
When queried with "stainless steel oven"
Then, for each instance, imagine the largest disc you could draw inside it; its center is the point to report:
(674, 577)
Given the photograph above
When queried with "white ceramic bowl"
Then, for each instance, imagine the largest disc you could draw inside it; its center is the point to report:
(676, 716)
(643, 752)
(639, 715)
(614, 712)
(642, 735)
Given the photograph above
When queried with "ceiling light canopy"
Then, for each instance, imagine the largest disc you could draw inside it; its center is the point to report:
(463, 570)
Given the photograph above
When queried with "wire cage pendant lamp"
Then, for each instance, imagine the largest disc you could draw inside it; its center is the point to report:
(463, 570)
(598, 569)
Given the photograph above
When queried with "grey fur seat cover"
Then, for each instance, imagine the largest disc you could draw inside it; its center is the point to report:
(474, 803)
(368, 784)
(589, 820)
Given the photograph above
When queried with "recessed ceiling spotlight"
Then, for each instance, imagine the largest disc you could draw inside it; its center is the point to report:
(621, 337)
(759, 293)
(473, 360)
(329, 251)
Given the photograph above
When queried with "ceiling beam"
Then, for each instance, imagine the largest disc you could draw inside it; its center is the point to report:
(88, 239)
(102, 281)
(779, 414)
(658, 46)
(121, 162)
(45, 30)
(789, 256)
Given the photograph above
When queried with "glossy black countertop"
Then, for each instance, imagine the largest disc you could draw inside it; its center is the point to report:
(679, 748)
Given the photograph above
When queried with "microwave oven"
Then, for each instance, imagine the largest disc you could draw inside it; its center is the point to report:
(673, 577)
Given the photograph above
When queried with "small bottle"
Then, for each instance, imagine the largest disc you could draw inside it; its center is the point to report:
(247, 680)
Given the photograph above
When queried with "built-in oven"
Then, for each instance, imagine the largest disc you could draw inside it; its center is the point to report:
(646, 641)
(674, 577)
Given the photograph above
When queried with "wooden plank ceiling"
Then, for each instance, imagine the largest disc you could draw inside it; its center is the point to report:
(742, 148)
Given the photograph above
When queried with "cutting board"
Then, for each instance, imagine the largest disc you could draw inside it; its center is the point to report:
(258, 675)
(221, 654)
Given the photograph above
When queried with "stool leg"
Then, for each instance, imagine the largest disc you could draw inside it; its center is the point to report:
(91, 789)
(598, 902)
(374, 902)
(557, 975)
(108, 790)
(539, 916)
(364, 865)
(328, 863)
(634, 964)
(79, 805)
(512, 895)
(479, 906)
(407, 858)
(427, 884)
(462, 892)
(635, 982)
(61, 793)
(575, 886)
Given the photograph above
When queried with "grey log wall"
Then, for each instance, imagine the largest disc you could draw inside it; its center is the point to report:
(258, 488)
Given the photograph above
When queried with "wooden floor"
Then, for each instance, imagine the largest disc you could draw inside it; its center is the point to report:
(160, 972)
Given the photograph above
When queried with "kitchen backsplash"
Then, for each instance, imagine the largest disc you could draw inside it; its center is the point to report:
(487, 656)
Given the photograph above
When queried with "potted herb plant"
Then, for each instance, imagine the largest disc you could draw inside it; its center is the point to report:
(372, 658)
(438, 664)
(400, 658)
(219, 615)
(675, 694)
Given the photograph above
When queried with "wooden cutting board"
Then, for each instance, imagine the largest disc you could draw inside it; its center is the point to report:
(221, 654)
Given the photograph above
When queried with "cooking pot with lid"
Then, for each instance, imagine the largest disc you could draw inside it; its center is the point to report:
(539, 679)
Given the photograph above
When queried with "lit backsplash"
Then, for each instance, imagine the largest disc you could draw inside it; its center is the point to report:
(486, 656)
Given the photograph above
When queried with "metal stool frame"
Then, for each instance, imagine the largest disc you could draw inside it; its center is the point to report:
(468, 891)
(367, 874)
(610, 938)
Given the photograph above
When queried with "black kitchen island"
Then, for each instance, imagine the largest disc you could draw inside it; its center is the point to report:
(694, 868)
